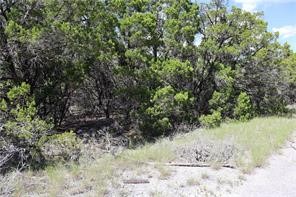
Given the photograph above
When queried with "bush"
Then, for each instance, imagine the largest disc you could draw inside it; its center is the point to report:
(24, 135)
(167, 108)
(60, 147)
(208, 150)
(212, 120)
(243, 109)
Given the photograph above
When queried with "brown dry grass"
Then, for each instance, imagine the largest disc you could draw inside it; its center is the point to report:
(259, 138)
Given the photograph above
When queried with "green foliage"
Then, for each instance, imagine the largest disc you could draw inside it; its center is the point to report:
(289, 65)
(22, 127)
(26, 132)
(22, 106)
(168, 108)
(232, 58)
(222, 98)
(148, 64)
(219, 101)
(172, 71)
(243, 109)
(211, 120)
(181, 26)
(24, 35)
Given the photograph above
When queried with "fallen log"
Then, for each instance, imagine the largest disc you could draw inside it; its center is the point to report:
(196, 165)
(201, 165)
(136, 181)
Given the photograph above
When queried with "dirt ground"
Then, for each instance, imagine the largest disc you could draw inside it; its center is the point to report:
(276, 179)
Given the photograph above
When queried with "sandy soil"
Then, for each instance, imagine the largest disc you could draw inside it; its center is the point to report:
(178, 181)
(277, 179)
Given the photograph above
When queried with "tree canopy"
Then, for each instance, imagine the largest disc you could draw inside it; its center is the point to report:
(149, 65)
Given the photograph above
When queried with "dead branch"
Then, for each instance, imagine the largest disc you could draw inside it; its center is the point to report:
(293, 147)
(196, 165)
(200, 165)
(136, 181)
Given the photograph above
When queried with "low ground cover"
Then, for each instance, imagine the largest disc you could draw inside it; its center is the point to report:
(253, 141)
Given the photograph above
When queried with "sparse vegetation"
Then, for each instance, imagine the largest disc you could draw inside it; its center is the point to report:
(205, 176)
(193, 182)
(259, 137)
(165, 172)
(156, 194)
(241, 177)
(94, 176)
(208, 150)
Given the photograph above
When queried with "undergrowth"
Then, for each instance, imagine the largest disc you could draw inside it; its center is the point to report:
(258, 139)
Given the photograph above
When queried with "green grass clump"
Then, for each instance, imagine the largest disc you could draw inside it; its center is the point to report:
(259, 137)
(161, 151)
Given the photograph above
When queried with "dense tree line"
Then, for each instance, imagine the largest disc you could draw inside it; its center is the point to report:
(148, 64)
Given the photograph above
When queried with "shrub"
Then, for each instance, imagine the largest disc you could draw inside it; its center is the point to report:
(60, 147)
(24, 134)
(168, 108)
(207, 150)
(220, 101)
(243, 109)
(212, 120)
(22, 128)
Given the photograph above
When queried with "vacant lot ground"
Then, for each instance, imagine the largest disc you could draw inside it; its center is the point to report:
(276, 179)
(146, 171)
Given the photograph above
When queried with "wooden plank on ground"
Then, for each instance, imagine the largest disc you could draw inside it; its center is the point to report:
(136, 181)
